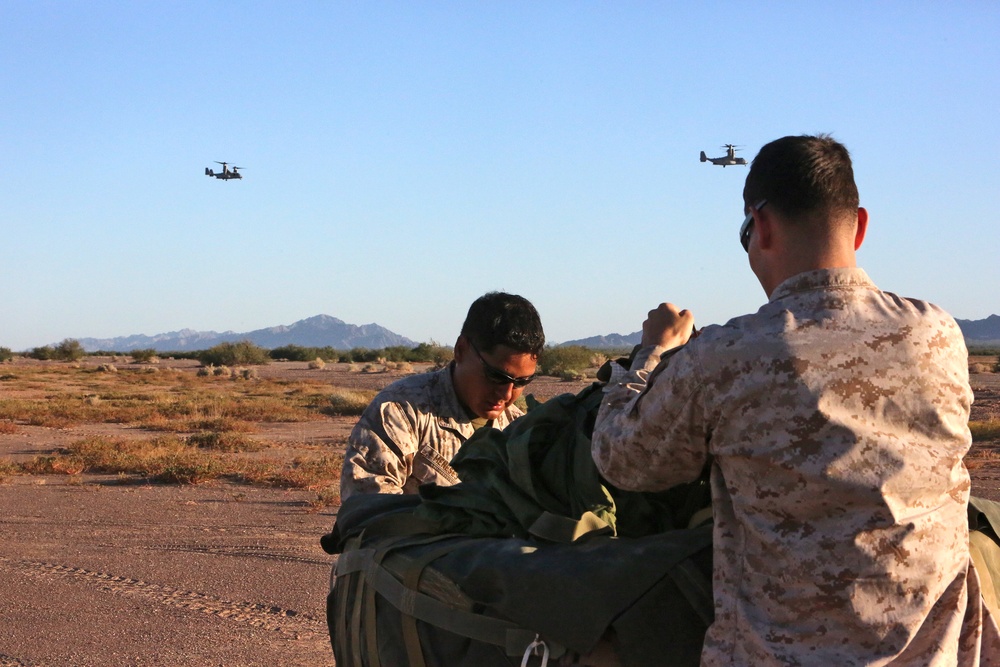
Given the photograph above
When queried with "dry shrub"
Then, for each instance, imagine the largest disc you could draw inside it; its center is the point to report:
(349, 402)
(264, 409)
(225, 442)
(979, 367)
(985, 430)
(106, 368)
(54, 465)
(244, 374)
(8, 469)
(178, 403)
(166, 459)
(227, 424)
(305, 473)
(317, 364)
(53, 421)
(598, 359)
(399, 366)
(161, 422)
(327, 497)
(371, 368)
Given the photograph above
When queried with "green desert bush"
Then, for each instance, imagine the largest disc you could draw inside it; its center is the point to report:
(6, 354)
(146, 356)
(68, 350)
(243, 353)
(431, 352)
(300, 353)
(43, 353)
(360, 354)
(570, 361)
(293, 353)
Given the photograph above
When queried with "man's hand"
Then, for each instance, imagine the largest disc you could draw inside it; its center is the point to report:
(667, 326)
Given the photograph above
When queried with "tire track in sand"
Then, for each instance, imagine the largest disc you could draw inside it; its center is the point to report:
(289, 622)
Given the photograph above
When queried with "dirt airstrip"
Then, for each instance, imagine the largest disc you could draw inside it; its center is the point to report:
(95, 571)
(100, 571)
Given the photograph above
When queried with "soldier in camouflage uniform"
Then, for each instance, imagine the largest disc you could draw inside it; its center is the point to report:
(409, 433)
(835, 420)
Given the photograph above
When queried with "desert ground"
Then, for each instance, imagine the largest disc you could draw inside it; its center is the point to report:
(113, 569)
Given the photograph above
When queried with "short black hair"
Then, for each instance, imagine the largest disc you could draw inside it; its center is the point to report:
(498, 318)
(802, 175)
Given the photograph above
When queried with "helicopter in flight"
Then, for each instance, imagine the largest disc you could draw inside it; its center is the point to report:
(728, 160)
(226, 172)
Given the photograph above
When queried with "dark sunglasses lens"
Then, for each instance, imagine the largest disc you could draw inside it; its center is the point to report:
(497, 377)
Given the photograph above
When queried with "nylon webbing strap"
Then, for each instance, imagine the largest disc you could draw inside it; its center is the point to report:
(411, 580)
(565, 530)
(481, 628)
(356, 636)
(696, 588)
(348, 619)
(370, 613)
(371, 618)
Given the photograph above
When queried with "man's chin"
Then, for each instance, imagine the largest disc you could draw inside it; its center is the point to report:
(493, 412)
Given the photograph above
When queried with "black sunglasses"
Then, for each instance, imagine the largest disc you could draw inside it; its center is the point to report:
(497, 376)
(748, 225)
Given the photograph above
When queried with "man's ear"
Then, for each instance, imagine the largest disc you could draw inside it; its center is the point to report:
(859, 234)
(461, 346)
(763, 229)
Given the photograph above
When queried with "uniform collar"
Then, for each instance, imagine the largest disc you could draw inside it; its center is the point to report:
(822, 279)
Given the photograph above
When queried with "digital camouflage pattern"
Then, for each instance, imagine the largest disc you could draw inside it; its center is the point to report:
(835, 420)
(407, 435)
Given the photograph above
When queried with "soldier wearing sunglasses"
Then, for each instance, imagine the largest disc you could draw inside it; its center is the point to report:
(409, 433)
(834, 421)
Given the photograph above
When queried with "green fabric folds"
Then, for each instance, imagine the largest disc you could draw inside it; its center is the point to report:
(537, 479)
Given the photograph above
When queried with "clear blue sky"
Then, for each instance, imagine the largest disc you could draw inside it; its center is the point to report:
(403, 158)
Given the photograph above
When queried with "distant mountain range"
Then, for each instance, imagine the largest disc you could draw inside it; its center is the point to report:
(976, 332)
(981, 332)
(326, 331)
(611, 341)
(318, 331)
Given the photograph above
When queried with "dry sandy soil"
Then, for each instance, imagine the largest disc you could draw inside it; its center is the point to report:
(96, 572)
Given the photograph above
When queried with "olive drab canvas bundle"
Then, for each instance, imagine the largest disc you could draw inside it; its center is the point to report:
(984, 547)
(533, 559)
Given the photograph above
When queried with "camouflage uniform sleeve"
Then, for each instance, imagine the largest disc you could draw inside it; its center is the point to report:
(649, 433)
(380, 451)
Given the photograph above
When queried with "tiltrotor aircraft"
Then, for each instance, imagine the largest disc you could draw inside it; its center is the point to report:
(226, 172)
(728, 160)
